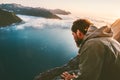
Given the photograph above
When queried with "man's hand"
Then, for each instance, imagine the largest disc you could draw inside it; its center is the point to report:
(67, 76)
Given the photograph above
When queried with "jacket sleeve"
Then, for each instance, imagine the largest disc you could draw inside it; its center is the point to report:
(92, 56)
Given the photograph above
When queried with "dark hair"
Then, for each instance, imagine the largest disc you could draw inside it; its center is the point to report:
(81, 24)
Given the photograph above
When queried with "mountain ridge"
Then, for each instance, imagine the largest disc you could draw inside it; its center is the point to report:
(39, 12)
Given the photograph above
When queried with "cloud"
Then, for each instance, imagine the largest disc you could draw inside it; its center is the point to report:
(65, 23)
(40, 23)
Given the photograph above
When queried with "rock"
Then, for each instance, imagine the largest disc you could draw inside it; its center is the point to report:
(7, 18)
(55, 73)
(39, 12)
(116, 29)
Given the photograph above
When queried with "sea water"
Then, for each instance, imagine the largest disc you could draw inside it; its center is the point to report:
(27, 49)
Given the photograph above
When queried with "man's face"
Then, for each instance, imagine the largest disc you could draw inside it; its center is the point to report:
(78, 37)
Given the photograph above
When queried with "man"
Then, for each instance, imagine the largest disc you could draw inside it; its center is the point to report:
(98, 56)
(99, 53)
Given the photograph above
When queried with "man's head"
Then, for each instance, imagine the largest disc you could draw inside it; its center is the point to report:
(79, 29)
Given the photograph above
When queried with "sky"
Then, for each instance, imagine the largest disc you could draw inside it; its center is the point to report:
(77, 7)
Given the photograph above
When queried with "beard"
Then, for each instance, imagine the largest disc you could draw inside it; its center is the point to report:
(78, 42)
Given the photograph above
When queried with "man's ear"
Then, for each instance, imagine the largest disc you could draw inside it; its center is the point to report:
(80, 34)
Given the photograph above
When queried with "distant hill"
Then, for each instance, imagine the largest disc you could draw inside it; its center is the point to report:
(7, 18)
(116, 29)
(19, 9)
(59, 11)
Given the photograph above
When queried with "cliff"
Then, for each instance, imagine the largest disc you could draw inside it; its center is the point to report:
(116, 29)
(7, 18)
(19, 9)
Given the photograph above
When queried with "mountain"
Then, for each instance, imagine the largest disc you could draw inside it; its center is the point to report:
(7, 18)
(59, 11)
(116, 29)
(19, 9)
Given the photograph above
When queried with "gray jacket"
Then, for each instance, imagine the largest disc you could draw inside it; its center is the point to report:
(99, 56)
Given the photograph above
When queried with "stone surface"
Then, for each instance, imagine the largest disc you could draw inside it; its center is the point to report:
(8, 18)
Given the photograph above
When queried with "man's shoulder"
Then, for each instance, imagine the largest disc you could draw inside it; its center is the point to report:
(93, 41)
(99, 42)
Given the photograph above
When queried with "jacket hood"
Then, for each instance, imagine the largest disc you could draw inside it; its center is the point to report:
(94, 32)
